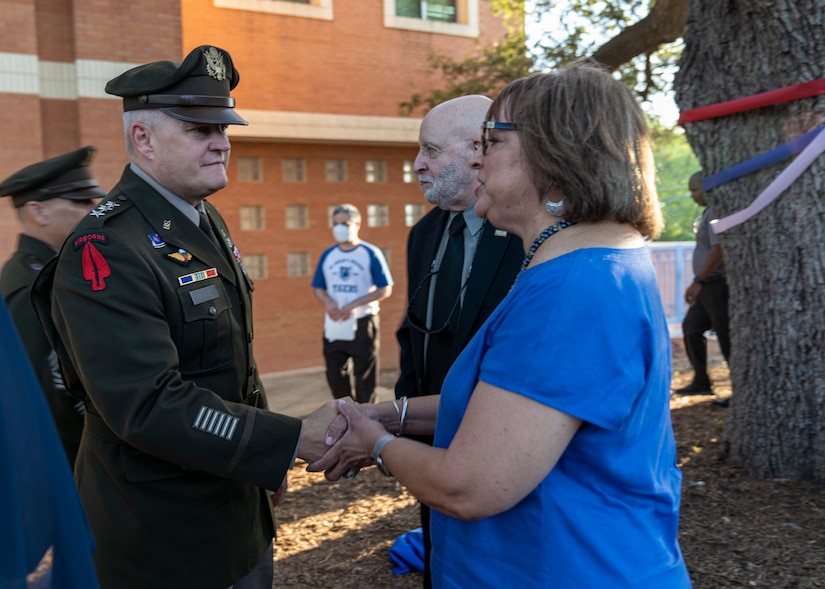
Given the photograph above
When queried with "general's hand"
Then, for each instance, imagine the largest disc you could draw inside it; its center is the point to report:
(312, 442)
(353, 450)
(277, 496)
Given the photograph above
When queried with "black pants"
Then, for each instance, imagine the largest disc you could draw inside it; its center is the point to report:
(356, 359)
(710, 311)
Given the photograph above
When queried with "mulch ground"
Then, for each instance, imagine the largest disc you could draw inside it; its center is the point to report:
(734, 531)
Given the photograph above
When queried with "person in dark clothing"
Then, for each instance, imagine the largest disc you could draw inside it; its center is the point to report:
(708, 299)
(181, 463)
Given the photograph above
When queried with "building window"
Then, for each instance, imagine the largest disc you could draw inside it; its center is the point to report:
(249, 169)
(413, 213)
(252, 218)
(335, 170)
(446, 17)
(297, 264)
(378, 215)
(387, 251)
(320, 9)
(440, 10)
(376, 171)
(255, 265)
(409, 174)
(297, 217)
(294, 169)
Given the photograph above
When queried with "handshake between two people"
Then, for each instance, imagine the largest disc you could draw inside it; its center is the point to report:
(338, 438)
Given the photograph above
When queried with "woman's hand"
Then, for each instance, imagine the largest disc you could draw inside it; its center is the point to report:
(356, 435)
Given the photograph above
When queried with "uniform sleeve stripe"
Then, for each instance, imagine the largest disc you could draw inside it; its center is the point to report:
(217, 423)
(198, 418)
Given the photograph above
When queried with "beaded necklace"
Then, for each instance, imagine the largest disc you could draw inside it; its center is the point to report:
(563, 224)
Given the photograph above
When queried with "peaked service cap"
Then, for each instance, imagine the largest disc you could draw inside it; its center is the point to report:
(65, 176)
(195, 90)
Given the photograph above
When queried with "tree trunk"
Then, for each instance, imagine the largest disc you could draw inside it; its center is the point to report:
(775, 426)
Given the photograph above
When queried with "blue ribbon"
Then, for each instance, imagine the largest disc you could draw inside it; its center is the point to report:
(763, 160)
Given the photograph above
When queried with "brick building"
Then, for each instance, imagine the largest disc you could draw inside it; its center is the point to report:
(321, 84)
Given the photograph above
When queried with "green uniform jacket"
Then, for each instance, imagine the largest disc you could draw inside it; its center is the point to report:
(156, 322)
(16, 281)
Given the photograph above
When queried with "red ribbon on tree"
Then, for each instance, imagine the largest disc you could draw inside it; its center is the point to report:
(721, 109)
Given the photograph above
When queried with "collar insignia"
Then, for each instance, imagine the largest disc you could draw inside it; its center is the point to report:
(500, 233)
(197, 276)
(167, 224)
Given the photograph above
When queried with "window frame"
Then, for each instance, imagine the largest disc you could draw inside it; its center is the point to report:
(466, 14)
(317, 9)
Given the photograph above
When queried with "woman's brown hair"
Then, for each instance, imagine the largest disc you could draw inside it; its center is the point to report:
(583, 130)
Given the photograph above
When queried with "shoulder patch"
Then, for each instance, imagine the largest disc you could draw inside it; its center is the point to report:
(95, 267)
(88, 237)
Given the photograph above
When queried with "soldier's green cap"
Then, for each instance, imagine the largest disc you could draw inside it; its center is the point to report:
(194, 90)
(65, 176)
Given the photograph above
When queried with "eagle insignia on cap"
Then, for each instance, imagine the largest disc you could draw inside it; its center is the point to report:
(214, 64)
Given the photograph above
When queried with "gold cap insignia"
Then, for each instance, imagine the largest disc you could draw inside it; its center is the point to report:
(214, 64)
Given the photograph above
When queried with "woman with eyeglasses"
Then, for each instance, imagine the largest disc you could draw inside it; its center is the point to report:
(554, 463)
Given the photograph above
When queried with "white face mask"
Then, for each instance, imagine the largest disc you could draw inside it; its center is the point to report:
(342, 233)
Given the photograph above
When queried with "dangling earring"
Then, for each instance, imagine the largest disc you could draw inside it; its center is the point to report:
(555, 208)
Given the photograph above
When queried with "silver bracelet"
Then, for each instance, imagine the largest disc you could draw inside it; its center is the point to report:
(402, 419)
(376, 453)
(397, 411)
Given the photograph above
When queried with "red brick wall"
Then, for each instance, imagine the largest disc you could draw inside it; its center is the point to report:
(288, 317)
(350, 65)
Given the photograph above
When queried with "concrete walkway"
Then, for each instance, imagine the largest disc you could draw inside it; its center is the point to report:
(298, 393)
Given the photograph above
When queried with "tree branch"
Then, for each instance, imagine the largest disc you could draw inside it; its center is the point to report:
(664, 24)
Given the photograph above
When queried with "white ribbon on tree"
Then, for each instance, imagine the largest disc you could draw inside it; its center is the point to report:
(775, 188)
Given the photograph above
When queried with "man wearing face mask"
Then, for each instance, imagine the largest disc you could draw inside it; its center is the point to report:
(351, 278)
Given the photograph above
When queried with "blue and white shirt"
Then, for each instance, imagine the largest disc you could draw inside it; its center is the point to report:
(348, 275)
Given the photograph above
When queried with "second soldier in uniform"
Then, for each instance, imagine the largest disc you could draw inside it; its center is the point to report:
(50, 197)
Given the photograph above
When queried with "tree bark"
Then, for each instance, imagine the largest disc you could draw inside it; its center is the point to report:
(775, 261)
(664, 24)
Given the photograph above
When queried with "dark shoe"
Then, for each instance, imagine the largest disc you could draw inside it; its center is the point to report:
(694, 389)
(721, 402)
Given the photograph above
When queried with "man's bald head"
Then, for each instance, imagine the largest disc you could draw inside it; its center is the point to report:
(449, 154)
(462, 116)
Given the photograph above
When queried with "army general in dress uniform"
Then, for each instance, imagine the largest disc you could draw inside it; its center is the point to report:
(152, 310)
(50, 197)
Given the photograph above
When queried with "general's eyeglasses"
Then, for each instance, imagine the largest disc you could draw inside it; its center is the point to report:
(415, 320)
(485, 132)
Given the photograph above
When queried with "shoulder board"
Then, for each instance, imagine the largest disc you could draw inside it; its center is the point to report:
(106, 209)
